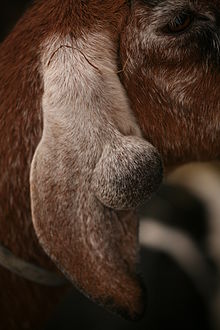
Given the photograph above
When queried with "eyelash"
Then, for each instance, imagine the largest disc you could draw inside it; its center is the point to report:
(179, 24)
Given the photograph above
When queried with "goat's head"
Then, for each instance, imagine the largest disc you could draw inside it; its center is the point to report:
(99, 61)
(172, 55)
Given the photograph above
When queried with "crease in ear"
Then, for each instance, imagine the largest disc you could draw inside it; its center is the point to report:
(90, 163)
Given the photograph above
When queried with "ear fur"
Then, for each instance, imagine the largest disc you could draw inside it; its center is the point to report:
(126, 174)
(91, 162)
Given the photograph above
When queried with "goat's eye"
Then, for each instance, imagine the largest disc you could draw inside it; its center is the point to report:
(179, 24)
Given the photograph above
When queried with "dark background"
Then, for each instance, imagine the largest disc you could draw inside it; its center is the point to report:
(10, 11)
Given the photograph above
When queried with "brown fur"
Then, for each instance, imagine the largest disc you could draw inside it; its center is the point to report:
(21, 126)
(154, 83)
(174, 82)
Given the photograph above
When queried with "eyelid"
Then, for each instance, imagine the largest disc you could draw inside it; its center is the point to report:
(196, 17)
(165, 29)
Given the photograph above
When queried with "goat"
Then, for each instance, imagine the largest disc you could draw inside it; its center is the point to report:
(92, 93)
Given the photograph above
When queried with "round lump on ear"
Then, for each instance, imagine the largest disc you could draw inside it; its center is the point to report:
(128, 172)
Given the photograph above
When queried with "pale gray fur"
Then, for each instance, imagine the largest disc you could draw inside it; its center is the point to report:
(90, 109)
(91, 155)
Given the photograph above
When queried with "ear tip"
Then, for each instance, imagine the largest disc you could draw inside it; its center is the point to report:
(131, 307)
(132, 316)
(139, 306)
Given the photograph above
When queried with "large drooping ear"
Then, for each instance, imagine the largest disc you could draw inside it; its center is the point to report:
(90, 170)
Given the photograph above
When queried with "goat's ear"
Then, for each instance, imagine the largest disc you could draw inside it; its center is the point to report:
(88, 172)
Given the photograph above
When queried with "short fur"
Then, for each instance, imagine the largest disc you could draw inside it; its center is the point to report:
(71, 74)
(173, 80)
